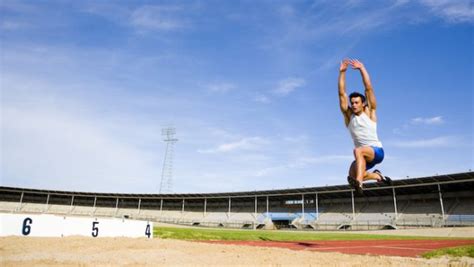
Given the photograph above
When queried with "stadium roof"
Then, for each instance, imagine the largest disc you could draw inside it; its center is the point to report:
(448, 182)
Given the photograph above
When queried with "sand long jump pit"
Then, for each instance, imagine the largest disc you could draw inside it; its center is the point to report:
(86, 251)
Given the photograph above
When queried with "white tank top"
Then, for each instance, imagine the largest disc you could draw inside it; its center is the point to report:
(363, 131)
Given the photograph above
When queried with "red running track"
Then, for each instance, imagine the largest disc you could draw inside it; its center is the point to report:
(403, 248)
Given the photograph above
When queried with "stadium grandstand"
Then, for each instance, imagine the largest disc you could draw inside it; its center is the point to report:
(435, 201)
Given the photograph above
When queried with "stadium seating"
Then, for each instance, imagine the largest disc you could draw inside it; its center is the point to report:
(421, 213)
(465, 206)
(108, 212)
(382, 212)
(449, 203)
(216, 216)
(335, 213)
(6, 206)
(59, 209)
(82, 210)
(242, 217)
(33, 208)
(193, 216)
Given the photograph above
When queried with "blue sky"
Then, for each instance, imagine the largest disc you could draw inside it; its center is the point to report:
(250, 86)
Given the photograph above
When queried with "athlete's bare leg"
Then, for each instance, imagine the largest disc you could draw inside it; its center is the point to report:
(357, 169)
(353, 170)
(367, 175)
(372, 176)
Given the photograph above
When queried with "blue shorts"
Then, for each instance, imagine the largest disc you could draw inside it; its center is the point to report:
(378, 158)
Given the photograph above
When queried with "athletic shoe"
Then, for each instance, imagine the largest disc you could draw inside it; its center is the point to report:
(352, 182)
(355, 184)
(359, 190)
(384, 179)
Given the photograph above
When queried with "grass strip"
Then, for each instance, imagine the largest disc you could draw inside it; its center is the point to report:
(464, 251)
(265, 235)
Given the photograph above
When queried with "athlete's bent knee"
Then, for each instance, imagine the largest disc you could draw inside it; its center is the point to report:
(358, 152)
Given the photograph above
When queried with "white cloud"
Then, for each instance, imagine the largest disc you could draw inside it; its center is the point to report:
(452, 11)
(162, 18)
(287, 86)
(320, 25)
(409, 126)
(331, 63)
(47, 146)
(401, 2)
(18, 7)
(304, 162)
(428, 121)
(249, 143)
(286, 11)
(57, 135)
(8, 25)
(326, 159)
(296, 139)
(284, 88)
(261, 98)
(443, 141)
(222, 133)
(220, 87)
(296, 28)
(16, 15)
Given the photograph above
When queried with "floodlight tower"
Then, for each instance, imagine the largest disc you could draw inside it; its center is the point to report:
(166, 185)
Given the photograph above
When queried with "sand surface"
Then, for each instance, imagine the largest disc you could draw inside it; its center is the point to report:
(85, 251)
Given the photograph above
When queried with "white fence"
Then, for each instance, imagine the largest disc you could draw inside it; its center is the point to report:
(57, 226)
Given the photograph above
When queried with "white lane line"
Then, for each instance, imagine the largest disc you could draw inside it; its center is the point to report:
(403, 248)
(342, 247)
(389, 247)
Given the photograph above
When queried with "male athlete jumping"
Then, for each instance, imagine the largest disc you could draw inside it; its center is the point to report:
(361, 121)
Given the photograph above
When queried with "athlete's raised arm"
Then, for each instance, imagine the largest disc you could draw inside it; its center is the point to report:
(342, 90)
(369, 92)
